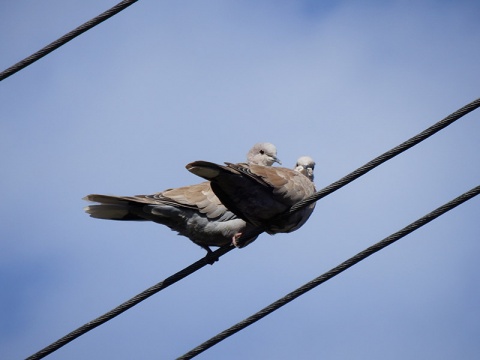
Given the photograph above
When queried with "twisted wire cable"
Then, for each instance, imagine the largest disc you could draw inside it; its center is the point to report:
(331, 273)
(66, 38)
(129, 303)
(387, 155)
(225, 249)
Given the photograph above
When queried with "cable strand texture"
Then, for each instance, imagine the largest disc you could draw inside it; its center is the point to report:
(388, 155)
(223, 250)
(331, 273)
(66, 38)
(128, 304)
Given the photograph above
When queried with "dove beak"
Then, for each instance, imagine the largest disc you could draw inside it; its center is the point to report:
(276, 160)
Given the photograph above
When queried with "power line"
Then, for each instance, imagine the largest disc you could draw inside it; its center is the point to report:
(387, 155)
(129, 303)
(66, 38)
(223, 250)
(331, 273)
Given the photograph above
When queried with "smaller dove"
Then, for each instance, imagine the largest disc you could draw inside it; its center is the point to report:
(193, 211)
(259, 194)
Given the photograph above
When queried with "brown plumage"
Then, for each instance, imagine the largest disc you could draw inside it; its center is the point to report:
(259, 194)
(193, 211)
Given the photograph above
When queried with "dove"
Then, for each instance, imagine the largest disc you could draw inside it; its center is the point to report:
(193, 211)
(262, 195)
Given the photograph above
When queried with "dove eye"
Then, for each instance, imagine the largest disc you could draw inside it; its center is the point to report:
(262, 152)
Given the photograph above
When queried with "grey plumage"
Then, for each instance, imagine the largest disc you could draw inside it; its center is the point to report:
(259, 194)
(193, 211)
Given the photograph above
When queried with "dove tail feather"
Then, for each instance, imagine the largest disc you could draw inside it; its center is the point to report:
(111, 212)
(105, 199)
(110, 208)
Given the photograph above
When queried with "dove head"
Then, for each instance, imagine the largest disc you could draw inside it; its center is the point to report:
(305, 165)
(264, 154)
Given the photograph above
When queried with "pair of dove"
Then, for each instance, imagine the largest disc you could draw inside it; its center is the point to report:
(237, 204)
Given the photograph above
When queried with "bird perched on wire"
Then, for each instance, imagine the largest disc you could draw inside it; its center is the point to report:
(193, 211)
(262, 195)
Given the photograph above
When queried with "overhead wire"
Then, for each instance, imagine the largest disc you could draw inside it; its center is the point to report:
(225, 249)
(128, 304)
(66, 38)
(387, 155)
(331, 273)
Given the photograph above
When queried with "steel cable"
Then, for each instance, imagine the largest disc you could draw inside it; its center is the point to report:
(66, 38)
(331, 273)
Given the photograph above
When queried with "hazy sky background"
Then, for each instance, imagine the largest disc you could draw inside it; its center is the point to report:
(124, 107)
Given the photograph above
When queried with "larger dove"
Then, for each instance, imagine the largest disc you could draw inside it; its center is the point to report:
(193, 211)
(260, 194)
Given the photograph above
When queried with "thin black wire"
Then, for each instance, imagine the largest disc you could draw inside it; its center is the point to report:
(65, 38)
(387, 155)
(223, 250)
(331, 273)
(129, 303)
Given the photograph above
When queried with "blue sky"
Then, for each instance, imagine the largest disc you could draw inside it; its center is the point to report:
(124, 107)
